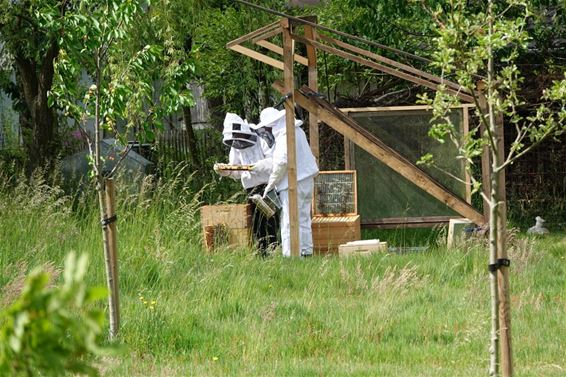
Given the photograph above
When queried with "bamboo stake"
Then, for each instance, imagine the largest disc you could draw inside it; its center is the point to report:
(113, 247)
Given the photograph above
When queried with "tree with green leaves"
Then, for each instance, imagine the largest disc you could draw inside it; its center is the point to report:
(29, 49)
(478, 46)
(134, 87)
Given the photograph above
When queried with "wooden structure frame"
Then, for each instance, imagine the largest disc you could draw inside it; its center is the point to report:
(289, 28)
(407, 222)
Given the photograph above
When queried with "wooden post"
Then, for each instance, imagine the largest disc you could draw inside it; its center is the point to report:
(466, 130)
(288, 53)
(110, 194)
(310, 33)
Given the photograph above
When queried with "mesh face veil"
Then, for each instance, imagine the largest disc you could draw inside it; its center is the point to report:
(237, 133)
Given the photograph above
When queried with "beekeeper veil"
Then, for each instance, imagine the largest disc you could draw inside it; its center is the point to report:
(237, 133)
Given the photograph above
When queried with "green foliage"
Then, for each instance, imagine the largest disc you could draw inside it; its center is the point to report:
(135, 80)
(52, 331)
(466, 51)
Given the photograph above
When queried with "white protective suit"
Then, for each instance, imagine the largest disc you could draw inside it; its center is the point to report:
(307, 169)
(256, 152)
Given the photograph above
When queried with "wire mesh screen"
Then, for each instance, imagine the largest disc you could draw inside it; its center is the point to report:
(335, 193)
(383, 192)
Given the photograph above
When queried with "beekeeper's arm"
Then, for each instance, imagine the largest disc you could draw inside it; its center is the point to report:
(265, 165)
(279, 166)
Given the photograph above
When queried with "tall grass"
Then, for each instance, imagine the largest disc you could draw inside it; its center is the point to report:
(186, 312)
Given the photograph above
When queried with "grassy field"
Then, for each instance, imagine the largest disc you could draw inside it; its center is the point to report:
(231, 313)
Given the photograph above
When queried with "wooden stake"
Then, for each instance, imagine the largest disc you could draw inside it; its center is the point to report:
(465, 131)
(310, 33)
(112, 231)
(288, 53)
(505, 348)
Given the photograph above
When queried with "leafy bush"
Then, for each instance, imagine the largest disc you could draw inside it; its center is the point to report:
(52, 331)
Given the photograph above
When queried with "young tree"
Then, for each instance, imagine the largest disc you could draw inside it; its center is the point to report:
(478, 46)
(134, 86)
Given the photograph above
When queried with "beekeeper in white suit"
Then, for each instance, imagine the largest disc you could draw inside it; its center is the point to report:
(247, 148)
(307, 169)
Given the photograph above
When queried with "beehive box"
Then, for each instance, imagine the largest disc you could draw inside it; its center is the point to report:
(328, 232)
(234, 221)
(362, 248)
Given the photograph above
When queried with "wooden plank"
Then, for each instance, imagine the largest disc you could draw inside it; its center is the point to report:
(405, 67)
(269, 34)
(279, 50)
(407, 222)
(288, 53)
(397, 108)
(467, 177)
(346, 250)
(371, 144)
(255, 33)
(381, 67)
(314, 139)
(347, 154)
(258, 56)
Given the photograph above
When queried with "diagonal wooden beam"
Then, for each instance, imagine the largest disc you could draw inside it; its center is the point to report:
(253, 34)
(257, 56)
(380, 67)
(309, 100)
(267, 35)
(394, 63)
(279, 50)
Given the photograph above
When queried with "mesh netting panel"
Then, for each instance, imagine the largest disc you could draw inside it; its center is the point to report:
(384, 193)
(334, 193)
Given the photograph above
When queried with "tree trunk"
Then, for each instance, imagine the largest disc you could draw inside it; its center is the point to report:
(40, 122)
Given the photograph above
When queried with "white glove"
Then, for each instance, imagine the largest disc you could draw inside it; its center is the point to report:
(276, 176)
(222, 173)
(263, 166)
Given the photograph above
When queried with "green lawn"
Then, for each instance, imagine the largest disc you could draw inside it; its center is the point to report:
(185, 312)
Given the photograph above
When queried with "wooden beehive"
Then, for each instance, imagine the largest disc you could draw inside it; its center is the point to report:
(234, 221)
(328, 232)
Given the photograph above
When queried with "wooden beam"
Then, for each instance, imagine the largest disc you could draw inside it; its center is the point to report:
(380, 67)
(310, 33)
(257, 56)
(288, 53)
(408, 222)
(267, 35)
(371, 144)
(279, 50)
(404, 67)
(255, 33)
(467, 177)
(398, 108)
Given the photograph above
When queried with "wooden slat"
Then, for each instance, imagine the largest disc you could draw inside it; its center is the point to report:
(394, 63)
(380, 67)
(255, 33)
(466, 130)
(269, 34)
(371, 144)
(279, 50)
(397, 108)
(314, 140)
(289, 52)
(258, 56)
